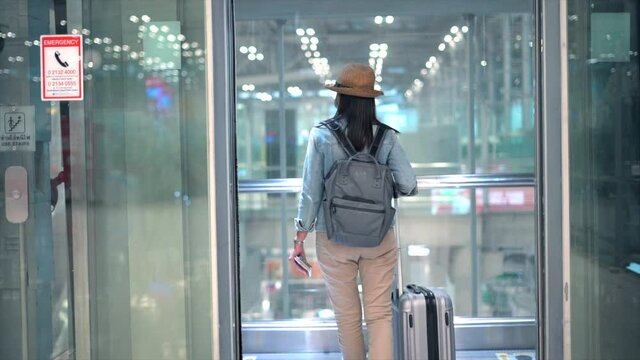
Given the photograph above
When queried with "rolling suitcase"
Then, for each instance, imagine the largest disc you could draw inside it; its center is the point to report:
(423, 324)
(422, 320)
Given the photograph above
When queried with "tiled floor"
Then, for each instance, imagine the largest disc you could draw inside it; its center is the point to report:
(460, 355)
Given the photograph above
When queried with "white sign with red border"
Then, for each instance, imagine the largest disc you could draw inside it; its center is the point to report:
(61, 70)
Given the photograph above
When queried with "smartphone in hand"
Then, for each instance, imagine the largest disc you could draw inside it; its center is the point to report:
(303, 264)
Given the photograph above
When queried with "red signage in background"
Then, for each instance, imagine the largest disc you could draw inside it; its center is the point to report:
(61, 67)
(499, 199)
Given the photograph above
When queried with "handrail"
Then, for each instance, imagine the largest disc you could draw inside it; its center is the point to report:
(294, 185)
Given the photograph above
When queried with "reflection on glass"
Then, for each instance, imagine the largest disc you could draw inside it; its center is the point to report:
(436, 244)
(147, 179)
(438, 247)
(458, 87)
(439, 74)
(604, 179)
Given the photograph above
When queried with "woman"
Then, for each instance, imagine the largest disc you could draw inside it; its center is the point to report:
(341, 264)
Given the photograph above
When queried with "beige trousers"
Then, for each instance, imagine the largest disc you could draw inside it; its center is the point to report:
(340, 266)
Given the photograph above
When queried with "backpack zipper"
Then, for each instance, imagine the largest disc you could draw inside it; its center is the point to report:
(334, 206)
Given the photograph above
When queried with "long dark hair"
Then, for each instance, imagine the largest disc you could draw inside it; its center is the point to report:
(361, 116)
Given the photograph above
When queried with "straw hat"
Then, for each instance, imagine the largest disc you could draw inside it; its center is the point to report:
(356, 80)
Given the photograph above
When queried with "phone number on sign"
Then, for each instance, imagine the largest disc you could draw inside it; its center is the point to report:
(62, 72)
(62, 83)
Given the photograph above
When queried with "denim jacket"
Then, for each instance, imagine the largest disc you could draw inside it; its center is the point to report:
(322, 151)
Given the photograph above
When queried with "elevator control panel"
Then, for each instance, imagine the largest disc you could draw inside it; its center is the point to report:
(16, 194)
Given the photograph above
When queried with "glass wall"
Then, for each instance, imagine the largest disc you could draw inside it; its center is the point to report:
(604, 108)
(118, 184)
(458, 83)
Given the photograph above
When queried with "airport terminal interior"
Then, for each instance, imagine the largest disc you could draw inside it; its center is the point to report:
(153, 218)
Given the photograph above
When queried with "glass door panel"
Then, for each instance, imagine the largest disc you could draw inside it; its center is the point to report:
(458, 83)
(604, 164)
(117, 186)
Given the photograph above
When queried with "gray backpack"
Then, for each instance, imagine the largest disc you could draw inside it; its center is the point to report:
(358, 193)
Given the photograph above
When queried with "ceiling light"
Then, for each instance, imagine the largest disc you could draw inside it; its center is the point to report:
(310, 32)
(378, 19)
(384, 46)
(442, 46)
(389, 19)
(373, 47)
(300, 32)
(454, 29)
(433, 59)
(252, 49)
(259, 56)
(465, 29)
(448, 38)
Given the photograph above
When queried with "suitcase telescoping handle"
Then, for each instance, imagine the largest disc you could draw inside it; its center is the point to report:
(399, 280)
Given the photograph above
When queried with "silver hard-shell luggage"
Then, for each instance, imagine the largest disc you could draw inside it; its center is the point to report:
(422, 320)
(423, 324)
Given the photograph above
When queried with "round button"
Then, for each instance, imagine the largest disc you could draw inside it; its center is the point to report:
(16, 194)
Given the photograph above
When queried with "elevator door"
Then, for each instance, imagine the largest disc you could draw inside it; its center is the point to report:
(104, 219)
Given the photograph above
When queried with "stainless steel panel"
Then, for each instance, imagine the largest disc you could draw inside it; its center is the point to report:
(222, 131)
(16, 193)
(321, 336)
(550, 196)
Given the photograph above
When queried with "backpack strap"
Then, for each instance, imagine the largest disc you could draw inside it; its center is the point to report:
(375, 146)
(336, 130)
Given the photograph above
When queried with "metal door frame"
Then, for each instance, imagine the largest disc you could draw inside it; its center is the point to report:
(551, 178)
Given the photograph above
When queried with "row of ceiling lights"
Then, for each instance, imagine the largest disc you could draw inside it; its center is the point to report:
(294, 91)
(377, 54)
(309, 43)
(160, 33)
(383, 19)
(252, 53)
(455, 35)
